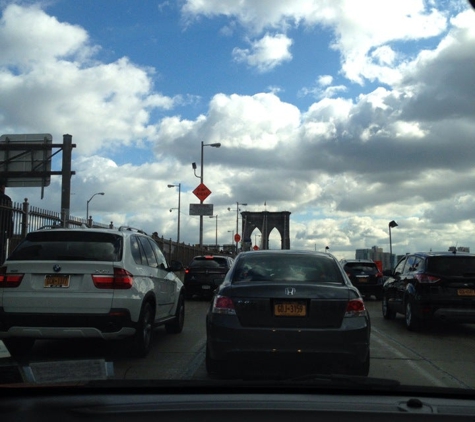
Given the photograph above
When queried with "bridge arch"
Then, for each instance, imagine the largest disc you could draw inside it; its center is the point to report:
(265, 222)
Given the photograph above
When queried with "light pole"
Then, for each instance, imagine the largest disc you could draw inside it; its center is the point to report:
(216, 216)
(179, 210)
(232, 235)
(87, 204)
(215, 145)
(237, 222)
(391, 224)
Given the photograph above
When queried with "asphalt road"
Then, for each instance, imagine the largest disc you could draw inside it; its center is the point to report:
(441, 356)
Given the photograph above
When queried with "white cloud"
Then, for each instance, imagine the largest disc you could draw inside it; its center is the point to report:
(49, 80)
(266, 53)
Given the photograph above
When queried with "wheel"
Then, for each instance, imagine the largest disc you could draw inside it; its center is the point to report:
(412, 322)
(387, 312)
(142, 340)
(19, 346)
(379, 295)
(176, 326)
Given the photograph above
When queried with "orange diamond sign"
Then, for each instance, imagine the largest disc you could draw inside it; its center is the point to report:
(202, 192)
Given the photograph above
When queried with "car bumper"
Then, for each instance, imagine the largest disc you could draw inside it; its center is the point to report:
(203, 288)
(116, 324)
(228, 341)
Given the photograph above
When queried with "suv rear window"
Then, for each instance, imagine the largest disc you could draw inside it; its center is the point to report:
(209, 262)
(452, 265)
(368, 267)
(66, 246)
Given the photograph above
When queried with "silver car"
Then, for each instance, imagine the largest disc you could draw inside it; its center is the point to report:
(88, 283)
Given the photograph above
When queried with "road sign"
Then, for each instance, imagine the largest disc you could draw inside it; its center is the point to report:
(201, 209)
(202, 192)
(237, 237)
(26, 159)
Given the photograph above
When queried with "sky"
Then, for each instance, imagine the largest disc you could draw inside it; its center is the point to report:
(348, 114)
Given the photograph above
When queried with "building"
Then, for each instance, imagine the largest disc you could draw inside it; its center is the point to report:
(376, 254)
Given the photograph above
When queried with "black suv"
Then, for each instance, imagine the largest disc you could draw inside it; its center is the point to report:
(205, 273)
(431, 286)
(365, 275)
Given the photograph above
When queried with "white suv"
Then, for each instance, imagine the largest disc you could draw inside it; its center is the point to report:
(88, 283)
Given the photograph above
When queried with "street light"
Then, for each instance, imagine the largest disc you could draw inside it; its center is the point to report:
(87, 204)
(237, 222)
(391, 224)
(179, 206)
(214, 145)
(216, 216)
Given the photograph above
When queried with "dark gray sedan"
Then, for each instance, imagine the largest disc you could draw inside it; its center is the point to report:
(288, 312)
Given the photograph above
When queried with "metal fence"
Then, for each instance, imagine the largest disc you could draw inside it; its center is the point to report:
(27, 218)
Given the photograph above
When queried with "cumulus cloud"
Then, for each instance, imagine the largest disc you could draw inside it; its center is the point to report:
(343, 164)
(49, 79)
(266, 53)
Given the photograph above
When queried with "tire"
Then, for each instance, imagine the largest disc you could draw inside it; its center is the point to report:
(142, 340)
(19, 346)
(387, 312)
(176, 326)
(412, 322)
(379, 295)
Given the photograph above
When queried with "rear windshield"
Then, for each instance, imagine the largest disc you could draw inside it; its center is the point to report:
(65, 246)
(209, 262)
(452, 265)
(291, 268)
(358, 266)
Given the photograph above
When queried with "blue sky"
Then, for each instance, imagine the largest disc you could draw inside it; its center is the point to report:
(347, 114)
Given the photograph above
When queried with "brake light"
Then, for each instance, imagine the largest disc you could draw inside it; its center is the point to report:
(121, 279)
(9, 280)
(426, 279)
(223, 305)
(355, 308)
(187, 270)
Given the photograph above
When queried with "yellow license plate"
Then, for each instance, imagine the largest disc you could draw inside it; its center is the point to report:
(59, 281)
(290, 309)
(362, 279)
(466, 292)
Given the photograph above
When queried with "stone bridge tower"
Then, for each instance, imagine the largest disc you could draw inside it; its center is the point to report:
(265, 222)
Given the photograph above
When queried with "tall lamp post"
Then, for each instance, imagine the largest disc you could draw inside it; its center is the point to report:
(215, 145)
(237, 222)
(391, 225)
(87, 204)
(216, 217)
(179, 209)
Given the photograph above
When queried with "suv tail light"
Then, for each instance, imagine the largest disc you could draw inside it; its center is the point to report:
(426, 279)
(121, 279)
(355, 308)
(9, 280)
(223, 305)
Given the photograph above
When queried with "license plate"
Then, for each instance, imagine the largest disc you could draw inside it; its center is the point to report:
(290, 309)
(57, 281)
(362, 279)
(466, 292)
(206, 287)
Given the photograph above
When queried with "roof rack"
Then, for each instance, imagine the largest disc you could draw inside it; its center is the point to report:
(128, 228)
